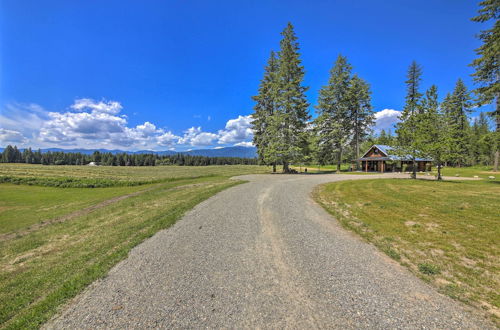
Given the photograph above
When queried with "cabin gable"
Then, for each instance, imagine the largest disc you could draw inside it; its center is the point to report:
(374, 151)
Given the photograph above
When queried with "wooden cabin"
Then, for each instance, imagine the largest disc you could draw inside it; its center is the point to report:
(382, 158)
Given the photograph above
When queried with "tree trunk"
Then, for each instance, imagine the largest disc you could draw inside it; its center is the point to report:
(414, 169)
(286, 168)
(357, 149)
(274, 167)
(339, 161)
(439, 172)
(497, 152)
(495, 163)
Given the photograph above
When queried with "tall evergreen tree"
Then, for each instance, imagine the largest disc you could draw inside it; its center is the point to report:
(384, 138)
(281, 110)
(264, 109)
(487, 73)
(332, 124)
(290, 119)
(457, 107)
(360, 114)
(407, 130)
(432, 138)
(480, 151)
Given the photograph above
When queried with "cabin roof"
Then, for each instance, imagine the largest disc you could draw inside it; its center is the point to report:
(389, 154)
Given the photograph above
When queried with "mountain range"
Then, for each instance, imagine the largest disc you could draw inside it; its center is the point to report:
(238, 151)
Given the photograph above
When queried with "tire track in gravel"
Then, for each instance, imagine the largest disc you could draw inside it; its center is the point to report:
(272, 248)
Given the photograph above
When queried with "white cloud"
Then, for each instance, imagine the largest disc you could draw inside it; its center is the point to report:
(386, 119)
(111, 107)
(237, 130)
(244, 144)
(70, 126)
(10, 136)
(195, 137)
(167, 139)
(23, 118)
(100, 124)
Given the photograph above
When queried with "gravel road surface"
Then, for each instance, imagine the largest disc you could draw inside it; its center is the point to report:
(262, 255)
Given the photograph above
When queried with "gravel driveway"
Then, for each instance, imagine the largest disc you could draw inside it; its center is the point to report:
(262, 255)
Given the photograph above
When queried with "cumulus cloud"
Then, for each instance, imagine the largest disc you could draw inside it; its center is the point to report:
(245, 144)
(111, 107)
(11, 136)
(100, 124)
(70, 126)
(167, 139)
(386, 119)
(237, 130)
(194, 136)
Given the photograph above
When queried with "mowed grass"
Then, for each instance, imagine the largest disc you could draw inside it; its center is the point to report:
(483, 172)
(22, 206)
(41, 269)
(448, 233)
(326, 169)
(117, 175)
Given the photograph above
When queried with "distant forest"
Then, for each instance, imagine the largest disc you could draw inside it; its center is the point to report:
(12, 154)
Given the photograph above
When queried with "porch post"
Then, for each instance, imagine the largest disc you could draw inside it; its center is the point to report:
(366, 166)
(382, 168)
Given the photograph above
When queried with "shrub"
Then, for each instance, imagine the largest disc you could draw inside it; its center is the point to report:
(428, 269)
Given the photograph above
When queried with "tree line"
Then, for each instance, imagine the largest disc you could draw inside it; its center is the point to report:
(284, 132)
(11, 154)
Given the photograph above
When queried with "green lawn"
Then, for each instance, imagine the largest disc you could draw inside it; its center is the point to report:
(344, 168)
(482, 172)
(445, 232)
(22, 206)
(46, 263)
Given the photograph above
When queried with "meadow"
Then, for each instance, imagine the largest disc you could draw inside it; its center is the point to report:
(483, 172)
(54, 241)
(107, 176)
(447, 233)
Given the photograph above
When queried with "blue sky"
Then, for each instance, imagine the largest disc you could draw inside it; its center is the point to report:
(180, 74)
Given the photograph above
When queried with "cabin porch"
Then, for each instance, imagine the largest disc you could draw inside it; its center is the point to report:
(393, 166)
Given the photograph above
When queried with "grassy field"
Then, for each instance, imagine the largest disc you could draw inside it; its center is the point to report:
(53, 243)
(445, 232)
(344, 168)
(95, 176)
(483, 172)
(22, 206)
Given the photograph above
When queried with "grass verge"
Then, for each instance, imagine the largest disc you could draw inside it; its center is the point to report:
(444, 232)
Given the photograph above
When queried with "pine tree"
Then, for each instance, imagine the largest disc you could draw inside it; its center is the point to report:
(432, 138)
(480, 154)
(384, 138)
(332, 124)
(407, 128)
(264, 109)
(457, 106)
(487, 67)
(290, 119)
(361, 115)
